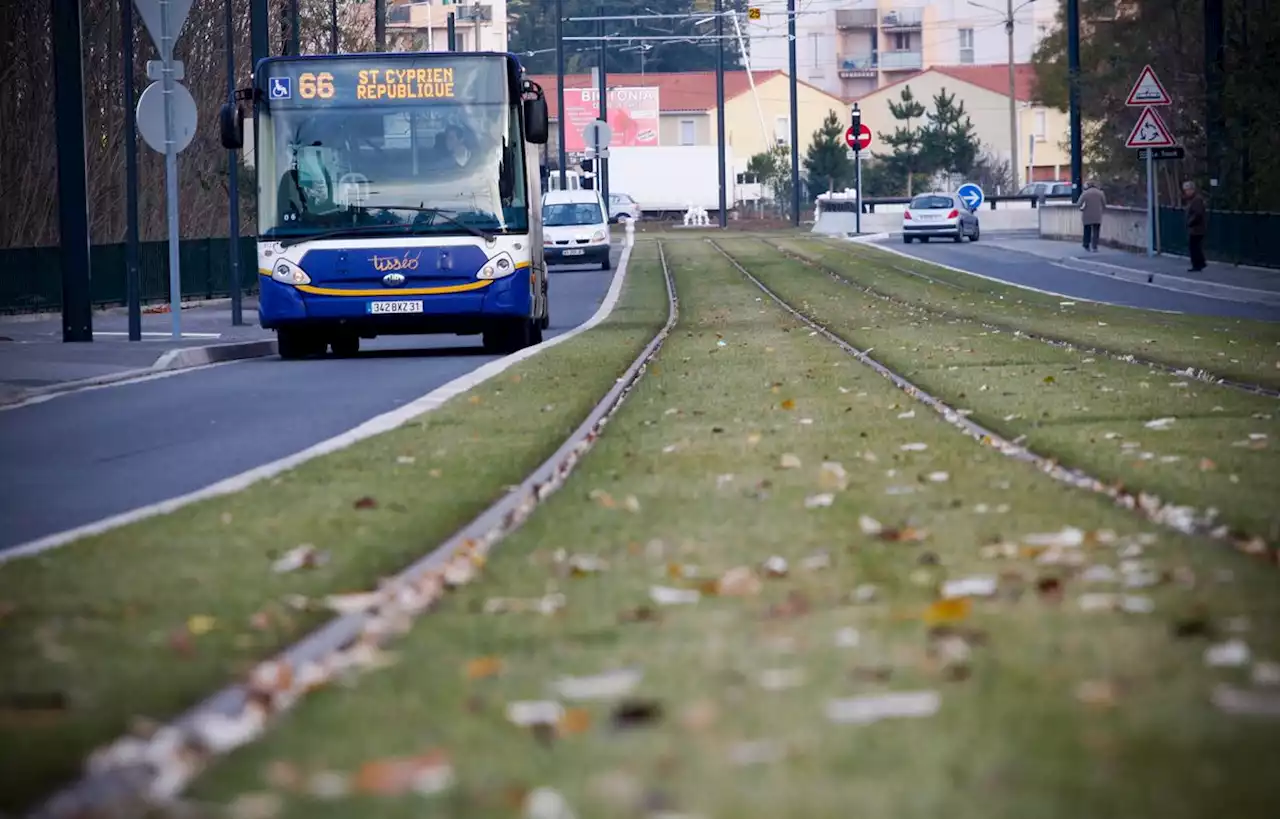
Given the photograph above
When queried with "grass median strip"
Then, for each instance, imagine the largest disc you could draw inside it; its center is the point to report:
(144, 620)
(1239, 349)
(1206, 446)
(786, 594)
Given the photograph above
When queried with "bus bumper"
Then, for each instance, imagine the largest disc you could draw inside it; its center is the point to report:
(285, 306)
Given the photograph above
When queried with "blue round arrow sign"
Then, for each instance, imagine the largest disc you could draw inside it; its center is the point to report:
(971, 195)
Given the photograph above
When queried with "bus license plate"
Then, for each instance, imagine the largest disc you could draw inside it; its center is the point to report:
(576, 252)
(378, 307)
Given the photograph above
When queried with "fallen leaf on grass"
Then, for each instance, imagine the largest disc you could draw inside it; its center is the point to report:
(795, 605)
(405, 459)
(816, 561)
(424, 774)
(866, 710)
(789, 461)
(606, 686)
(603, 498)
(1160, 424)
(833, 476)
(527, 713)
(788, 404)
(776, 567)
(667, 596)
(1231, 654)
(982, 586)
(547, 604)
(198, 624)
(948, 611)
(938, 477)
(917, 447)
(483, 667)
(1050, 589)
(545, 803)
(365, 503)
(819, 501)
(635, 713)
(1067, 537)
(305, 556)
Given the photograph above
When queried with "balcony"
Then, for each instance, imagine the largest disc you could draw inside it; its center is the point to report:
(865, 66)
(900, 61)
(902, 20)
(855, 18)
(435, 13)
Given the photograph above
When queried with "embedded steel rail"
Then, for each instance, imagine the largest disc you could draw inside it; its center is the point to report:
(1186, 372)
(1185, 519)
(136, 772)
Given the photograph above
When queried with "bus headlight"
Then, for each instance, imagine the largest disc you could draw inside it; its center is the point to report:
(498, 267)
(598, 237)
(286, 272)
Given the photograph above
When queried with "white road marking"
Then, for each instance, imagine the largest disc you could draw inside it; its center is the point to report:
(874, 241)
(156, 334)
(145, 374)
(374, 426)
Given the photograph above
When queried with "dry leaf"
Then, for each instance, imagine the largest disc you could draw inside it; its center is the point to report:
(789, 461)
(1160, 424)
(833, 476)
(819, 501)
(788, 404)
(917, 447)
(527, 713)
(740, 581)
(866, 710)
(948, 611)
(305, 556)
(603, 498)
(483, 667)
(607, 686)
(666, 596)
(776, 567)
(795, 605)
(545, 803)
(198, 624)
(983, 586)
(366, 503)
(869, 525)
(424, 774)
(574, 721)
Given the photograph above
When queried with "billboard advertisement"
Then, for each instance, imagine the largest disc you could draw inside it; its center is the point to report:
(632, 114)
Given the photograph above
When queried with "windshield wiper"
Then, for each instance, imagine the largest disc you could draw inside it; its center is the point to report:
(357, 230)
(444, 214)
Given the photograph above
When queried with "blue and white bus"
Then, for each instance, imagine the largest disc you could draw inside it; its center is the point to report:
(396, 194)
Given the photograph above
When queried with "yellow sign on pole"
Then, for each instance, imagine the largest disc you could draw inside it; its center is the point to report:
(753, 14)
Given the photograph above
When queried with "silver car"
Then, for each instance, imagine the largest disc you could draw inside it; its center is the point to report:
(622, 206)
(938, 215)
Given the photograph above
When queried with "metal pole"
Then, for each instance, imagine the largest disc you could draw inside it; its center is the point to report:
(132, 272)
(233, 183)
(795, 126)
(857, 186)
(295, 29)
(171, 173)
(380, 25)
(73, 197)
(1215, 79)
(560, 126)
(333, 26)
(1151, 202)
(452, 32)
(1014, 167)
(746, 64)
(603, 164)
(724, 217)
(1073, 79)
(260, 39)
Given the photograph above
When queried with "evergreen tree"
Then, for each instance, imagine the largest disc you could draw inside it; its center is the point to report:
(907, 140)
(826, 163)
(949, 141)
(773, 169)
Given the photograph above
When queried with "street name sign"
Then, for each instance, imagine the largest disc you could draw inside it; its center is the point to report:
(1176, 152)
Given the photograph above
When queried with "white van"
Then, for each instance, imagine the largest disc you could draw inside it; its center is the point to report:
(575, 229)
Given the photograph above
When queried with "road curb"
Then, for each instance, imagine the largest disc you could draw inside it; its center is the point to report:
(1181, 284)
(173, 360)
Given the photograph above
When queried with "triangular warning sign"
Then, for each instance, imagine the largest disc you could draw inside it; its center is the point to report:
(1148, 90)
(1150, 132)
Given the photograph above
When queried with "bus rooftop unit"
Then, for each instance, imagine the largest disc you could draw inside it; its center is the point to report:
(396, 194)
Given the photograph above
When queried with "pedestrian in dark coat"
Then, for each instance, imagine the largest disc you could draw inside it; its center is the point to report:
(1197, 225)
(1092, 203)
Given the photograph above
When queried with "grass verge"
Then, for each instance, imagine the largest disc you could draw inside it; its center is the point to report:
(1087, 411)
(1044, 710)
(1238, 349)
(145, 620)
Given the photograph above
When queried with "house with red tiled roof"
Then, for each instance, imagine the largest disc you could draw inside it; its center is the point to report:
(1042, 133)
(680, 109)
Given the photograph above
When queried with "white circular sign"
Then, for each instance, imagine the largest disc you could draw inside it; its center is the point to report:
(151, 116)
(596, 134)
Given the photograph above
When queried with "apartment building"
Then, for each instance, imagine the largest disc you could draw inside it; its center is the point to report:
(849, 48)
(423, 25)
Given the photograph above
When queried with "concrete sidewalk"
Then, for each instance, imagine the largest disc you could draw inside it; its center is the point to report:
(35, 360)
(1254, 285)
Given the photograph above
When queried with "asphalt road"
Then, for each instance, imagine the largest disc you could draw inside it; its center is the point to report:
(1034, 271)
(85, 456)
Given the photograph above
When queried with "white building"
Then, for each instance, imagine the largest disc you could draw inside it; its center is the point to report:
(423, 25)
(852, 47)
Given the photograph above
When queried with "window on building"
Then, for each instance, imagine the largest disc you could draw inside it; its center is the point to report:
(782, 130)
(688, 132)
(902, 41)
(966, 46)
(1039, 124)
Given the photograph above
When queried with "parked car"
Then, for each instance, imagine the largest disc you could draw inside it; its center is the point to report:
(574, 228)
(622, 206)
(1039, 189)
(940, 215)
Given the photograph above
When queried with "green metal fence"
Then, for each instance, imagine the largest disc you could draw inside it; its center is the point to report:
(31, 278)
(1235, 237)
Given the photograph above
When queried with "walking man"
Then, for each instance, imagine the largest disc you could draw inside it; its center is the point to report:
(1197, 225)
(1092, 202)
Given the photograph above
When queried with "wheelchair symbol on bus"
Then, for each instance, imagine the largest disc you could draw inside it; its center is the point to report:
(281, 88)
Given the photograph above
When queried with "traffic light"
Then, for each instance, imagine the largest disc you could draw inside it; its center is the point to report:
(588, 178)
(857, 119)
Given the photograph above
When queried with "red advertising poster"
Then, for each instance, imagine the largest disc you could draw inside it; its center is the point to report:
(632, 114)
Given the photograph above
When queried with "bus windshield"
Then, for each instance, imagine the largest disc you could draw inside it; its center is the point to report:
(390, 143)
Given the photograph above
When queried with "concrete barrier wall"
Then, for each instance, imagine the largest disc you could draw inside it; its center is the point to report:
(990, 220)
(1121, 227)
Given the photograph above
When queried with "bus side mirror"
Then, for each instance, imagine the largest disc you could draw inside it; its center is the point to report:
(536, 121)
(231, 125)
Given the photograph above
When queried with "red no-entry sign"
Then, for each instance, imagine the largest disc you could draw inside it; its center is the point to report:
(859, 142)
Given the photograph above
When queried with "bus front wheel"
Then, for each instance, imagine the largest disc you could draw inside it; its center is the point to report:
(512, 336)
(294, 344)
